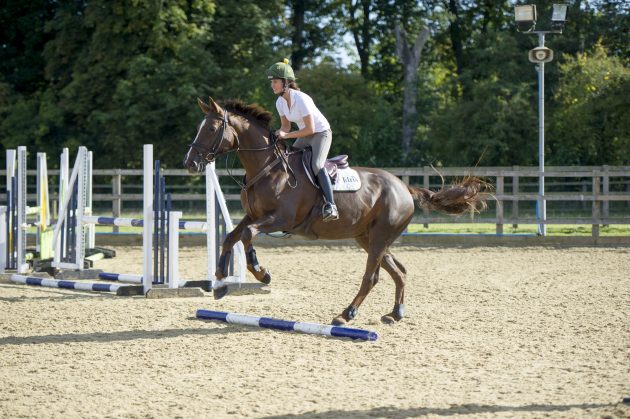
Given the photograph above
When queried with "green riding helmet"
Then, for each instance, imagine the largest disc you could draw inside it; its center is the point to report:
(281, 70)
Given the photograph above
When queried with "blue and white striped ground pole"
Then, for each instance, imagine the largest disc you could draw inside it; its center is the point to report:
(269, 323)
(134, 279)
(119, 289)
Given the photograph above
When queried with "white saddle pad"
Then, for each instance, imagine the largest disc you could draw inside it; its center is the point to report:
(348, 180)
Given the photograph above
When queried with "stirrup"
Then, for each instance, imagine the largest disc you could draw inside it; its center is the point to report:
(329, 212)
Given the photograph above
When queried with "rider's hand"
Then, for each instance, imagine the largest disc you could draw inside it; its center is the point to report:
(281, 134)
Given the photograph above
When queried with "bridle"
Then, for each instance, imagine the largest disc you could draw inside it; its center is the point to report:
(210, 154)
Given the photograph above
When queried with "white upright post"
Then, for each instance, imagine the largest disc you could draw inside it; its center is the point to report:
(81, 198)
(211, 241)
(91, 228)
(11, 154)
(64, 178)
(239, 250)
(147, 230)
(10, 167)
(173, 249)
(43, 202)
(3, 239)
(22, 266)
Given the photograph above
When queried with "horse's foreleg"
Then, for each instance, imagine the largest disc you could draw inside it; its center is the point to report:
(226, 249)
(266, 224)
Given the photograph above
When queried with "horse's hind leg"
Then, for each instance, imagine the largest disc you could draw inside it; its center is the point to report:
(370, 278)
(397, 271)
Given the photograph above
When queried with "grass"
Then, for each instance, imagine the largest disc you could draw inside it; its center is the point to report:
(448, 228)
(552, 229)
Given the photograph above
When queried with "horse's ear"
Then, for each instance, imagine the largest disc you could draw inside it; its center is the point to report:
(205, 108)
(215, 106)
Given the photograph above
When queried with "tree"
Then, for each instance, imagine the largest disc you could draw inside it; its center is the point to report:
(360, 24)
(591, 123)
(315, 29)
(409, 56)
(22, 38)
(361, 120)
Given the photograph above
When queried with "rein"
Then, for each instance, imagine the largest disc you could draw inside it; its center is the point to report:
(208, 155)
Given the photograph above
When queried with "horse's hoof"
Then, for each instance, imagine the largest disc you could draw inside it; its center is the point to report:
(220, 292)
(390, 318)
(263, 276)
(339, 321)
(267, 278)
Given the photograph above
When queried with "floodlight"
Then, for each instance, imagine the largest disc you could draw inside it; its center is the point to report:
(558, 17)
(525, 17)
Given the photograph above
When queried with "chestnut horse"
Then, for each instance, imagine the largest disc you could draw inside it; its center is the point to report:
(278, 196)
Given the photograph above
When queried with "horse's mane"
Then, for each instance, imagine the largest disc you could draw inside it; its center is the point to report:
(255, 111)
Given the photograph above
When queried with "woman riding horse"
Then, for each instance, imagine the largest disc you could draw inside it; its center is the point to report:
(279, 196)
(314, 130)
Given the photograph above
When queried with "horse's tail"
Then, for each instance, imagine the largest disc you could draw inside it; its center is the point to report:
(467, 195)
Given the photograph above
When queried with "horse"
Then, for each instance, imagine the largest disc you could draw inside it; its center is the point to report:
(277, 195)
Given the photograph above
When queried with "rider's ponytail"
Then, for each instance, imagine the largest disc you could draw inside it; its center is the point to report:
(293, 85)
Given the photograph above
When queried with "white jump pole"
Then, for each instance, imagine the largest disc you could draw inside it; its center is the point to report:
(147, 229)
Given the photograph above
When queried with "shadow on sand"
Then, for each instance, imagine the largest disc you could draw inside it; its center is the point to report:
(463, 409)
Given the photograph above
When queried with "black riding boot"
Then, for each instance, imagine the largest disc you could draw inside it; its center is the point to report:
(330, 209)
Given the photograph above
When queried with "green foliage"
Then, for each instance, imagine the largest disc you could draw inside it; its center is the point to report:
(114, 74)
(360, 119)
(592, 124)
(496, 117)
(22, 39)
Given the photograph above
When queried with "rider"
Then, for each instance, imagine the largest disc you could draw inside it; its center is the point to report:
(314, 130)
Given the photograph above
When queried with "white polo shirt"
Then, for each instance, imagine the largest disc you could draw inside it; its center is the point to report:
(301, 105)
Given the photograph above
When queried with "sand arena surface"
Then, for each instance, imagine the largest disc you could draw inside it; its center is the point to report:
(505, 332)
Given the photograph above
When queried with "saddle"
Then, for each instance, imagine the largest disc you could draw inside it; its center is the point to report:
(332, 165)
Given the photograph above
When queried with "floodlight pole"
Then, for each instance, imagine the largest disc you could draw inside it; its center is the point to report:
(541, 210)
(541, 203)
(525, 17)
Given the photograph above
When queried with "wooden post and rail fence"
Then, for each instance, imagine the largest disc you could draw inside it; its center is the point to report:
(594, 185)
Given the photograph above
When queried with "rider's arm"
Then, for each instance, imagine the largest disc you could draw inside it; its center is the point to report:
(286, 124)
(309, 128)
